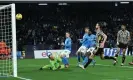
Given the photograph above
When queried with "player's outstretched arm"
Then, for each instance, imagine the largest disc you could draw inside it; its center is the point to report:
(105, 38)
(45, 67)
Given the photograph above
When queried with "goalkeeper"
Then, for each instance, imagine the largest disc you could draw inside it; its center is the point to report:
(54, 63)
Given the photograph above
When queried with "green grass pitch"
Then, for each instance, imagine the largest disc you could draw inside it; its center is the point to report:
(104, 70)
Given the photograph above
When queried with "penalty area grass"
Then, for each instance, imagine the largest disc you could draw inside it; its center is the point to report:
(103, 70)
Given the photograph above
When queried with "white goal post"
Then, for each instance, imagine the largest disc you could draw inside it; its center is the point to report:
(8, 58)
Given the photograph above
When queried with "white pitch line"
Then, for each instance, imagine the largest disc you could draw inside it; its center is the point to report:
(22, 78)
(75, 65)
(116, 66)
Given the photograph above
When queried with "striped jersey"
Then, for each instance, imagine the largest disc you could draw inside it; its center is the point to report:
(99, 37)
(122, 36)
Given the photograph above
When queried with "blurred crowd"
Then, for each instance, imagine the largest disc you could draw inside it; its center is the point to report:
(48, 24)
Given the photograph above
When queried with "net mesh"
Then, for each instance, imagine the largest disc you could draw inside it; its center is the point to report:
(5, 41)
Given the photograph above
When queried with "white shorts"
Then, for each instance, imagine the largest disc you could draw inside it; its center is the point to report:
(66, 53)
(91, 50)
(82, 49)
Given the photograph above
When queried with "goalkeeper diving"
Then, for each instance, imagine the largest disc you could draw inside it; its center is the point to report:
(55, 63)
(60, 60)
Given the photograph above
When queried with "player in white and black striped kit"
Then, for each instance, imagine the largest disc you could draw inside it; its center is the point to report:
(101, 38)
(123, 37)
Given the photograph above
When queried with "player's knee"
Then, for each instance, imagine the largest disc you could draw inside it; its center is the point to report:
(102, 57)
(78, 53)
(82, 54)
(118, 50)
(91, 56)
(124, 51)
(123, 55)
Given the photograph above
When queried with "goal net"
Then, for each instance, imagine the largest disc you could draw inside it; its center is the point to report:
(8, 61)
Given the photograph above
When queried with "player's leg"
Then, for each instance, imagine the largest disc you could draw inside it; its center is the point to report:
(93, 62)
(124, 47)
(45, 67)
(79, 57)
(90, 59)
(84, 55)
(131, 63)
(53, 64)
(119, 46)
(123, 57)
(101, 52)
(65, 62)
(58, 66)
(49, 66)
(78, 53)
(117, 53)
(129, 50)
(64, 57)
(61, 67)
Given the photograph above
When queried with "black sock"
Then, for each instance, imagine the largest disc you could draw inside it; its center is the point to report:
(116, 55)
(108, 57)
(123, 58)
(89, 61)
(78, 57)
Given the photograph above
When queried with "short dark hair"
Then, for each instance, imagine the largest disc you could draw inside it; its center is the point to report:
(87, 28)
(123, 25)
(68, 32)
(102, 24)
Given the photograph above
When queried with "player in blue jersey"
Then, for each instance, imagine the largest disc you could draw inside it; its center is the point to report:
(85, 45)
(92, 44)
(93, 39)
(99, 49)
(67, 51)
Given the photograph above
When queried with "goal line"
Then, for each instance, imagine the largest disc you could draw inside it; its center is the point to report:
(8, 75)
